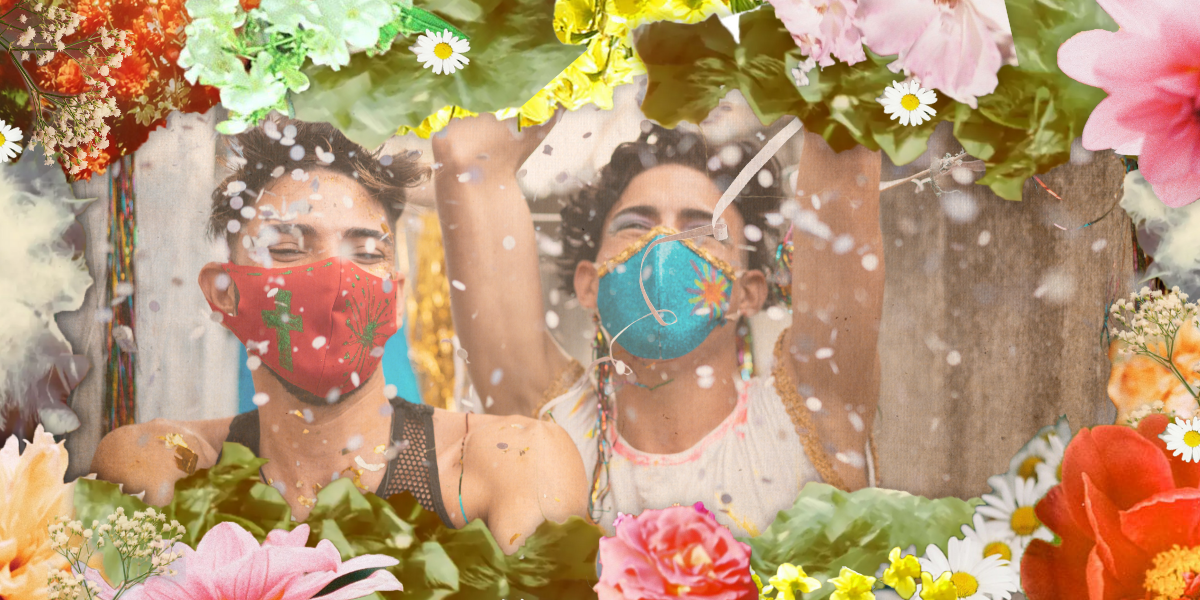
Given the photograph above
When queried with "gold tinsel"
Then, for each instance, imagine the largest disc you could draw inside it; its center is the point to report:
(609, 61)
(430, 326)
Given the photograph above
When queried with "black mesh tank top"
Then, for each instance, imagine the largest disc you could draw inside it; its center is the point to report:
(413, 470)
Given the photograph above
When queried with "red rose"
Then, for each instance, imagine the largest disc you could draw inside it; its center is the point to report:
(249, 5)
(1128, 514)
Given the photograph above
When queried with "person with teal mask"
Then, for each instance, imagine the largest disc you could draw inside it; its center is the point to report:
(671, 410)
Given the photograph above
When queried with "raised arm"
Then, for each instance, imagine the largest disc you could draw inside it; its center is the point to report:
(837, 299)
(491, 251)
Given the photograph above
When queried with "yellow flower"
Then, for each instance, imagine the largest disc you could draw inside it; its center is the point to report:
(435, 122)
(901, 574)
(33, 483)
(790, 579)
(942, 589)
(851, 585)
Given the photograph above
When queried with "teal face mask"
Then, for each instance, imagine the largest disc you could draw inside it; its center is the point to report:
(691, 290)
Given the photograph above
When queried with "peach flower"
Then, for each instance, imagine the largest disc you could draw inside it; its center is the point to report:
(32, 483)
(675, 552)
(1136, 381)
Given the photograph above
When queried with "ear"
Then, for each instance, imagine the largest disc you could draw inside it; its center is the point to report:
(218, 288)
(587, 284)
(398, 278)
(753, 289)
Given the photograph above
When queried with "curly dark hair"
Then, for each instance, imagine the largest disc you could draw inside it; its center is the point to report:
(584, 214)
(259, 156)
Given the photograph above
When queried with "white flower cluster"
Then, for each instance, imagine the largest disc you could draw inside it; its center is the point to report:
(145, 538)
(1158, 407)
(1151, 320)
(71, 127)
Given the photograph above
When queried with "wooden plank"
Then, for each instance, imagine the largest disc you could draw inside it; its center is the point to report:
(1016, 302)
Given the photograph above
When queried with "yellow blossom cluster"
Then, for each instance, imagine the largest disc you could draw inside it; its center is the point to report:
(609, 61)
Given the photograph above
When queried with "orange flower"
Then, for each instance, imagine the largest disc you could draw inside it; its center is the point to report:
(36, 495)
(131, 78)
(1139, 380)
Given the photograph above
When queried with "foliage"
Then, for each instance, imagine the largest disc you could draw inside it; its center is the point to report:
(1025, 127)
(557, 561)
(827, 529)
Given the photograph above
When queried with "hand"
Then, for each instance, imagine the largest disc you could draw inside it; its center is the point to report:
(463, 141)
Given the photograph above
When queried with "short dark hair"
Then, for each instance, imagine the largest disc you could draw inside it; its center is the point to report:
(585, 212)
(259, 153)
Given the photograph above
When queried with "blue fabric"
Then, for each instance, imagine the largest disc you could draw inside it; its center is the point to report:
(397, 370)
(677, 279)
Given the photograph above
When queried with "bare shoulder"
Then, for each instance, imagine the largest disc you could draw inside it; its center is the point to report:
(150, 457)
(529, 460)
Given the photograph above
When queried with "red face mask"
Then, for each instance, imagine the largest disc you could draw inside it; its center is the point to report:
(320, 326)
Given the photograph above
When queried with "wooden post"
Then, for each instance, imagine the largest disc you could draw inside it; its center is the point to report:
(993, 322)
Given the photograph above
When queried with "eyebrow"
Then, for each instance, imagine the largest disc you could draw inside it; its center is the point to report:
(687, 214)
(352, 233)
(643, 211)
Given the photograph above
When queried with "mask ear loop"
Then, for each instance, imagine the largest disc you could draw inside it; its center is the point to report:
(715, 229)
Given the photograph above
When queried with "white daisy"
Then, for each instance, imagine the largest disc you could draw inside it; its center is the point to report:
(1183, 439)
(1041, 451)
(1013, 506)
(9, 136)
(442, 50)
(995, 539)
(1050, 470)
(973, 575)
(908, 102)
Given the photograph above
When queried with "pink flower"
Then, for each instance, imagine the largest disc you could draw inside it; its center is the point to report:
(1151, 71)
(675, 552)
(823, 29)
(955, 46)
(228, 564)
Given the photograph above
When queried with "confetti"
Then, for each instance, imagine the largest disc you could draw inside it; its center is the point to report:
(372, 467)
(260, 398)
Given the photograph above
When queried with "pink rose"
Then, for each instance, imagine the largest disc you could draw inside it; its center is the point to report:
(675, 552)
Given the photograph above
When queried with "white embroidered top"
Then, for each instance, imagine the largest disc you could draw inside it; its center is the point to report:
(745, 471)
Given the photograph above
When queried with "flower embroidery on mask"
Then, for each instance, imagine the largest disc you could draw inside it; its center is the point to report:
(710, 296)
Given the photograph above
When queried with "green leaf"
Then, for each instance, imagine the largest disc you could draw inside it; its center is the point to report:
(1025, 127)
(828, 529)
(514, 54)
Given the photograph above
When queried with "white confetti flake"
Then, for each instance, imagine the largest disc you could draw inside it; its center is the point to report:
(954, 358)
(813, 403)
(551, 319)
(458, 285)
(253, 363)
(390, 391)
(509, 242)
(870, 262)
(985, 237)
(354, 443)
(260, 399)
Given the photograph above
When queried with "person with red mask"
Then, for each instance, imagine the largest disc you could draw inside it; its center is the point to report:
(312, 291)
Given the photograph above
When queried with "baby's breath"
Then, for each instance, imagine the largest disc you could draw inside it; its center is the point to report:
(144, 543)
(71, 127)
(1150, 321)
